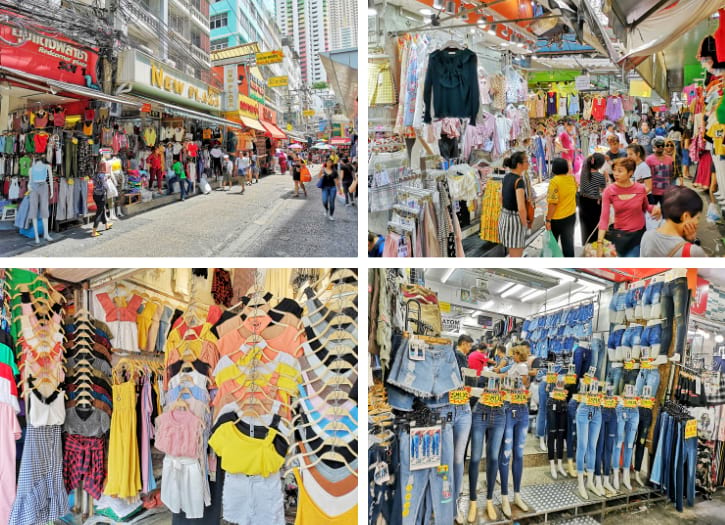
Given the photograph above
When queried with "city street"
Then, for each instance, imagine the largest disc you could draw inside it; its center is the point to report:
(267, 221)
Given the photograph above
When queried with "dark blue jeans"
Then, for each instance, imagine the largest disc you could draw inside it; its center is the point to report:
(605, 445)
(571, 430)
(675, 304)
(514, 440)
(489, 423)
(556, 422)
(645, 420)
(184, 186)
(328, 199)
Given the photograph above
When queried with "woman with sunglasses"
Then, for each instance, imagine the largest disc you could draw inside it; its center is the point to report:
(662, 167)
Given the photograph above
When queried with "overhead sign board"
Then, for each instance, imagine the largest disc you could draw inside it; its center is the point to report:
(269, 57)
(277, 81)
(308, 113)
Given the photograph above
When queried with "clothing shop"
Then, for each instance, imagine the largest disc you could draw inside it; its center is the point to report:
(582, 384)
(129, 393)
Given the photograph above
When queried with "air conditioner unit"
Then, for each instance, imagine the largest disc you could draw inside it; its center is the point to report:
(115, 109)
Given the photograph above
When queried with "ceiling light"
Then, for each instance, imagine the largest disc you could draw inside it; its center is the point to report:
(514, 289)
(719, 338)
(591, 285)
(565, 277)
(447, 275)
(426, 12)
(487, 304)
(507, 287)
(531, 295)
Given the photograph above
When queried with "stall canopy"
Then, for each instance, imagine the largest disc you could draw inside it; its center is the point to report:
(341, 68)
(173, 109)
(272, 130)
(252, 123)
(340, 141)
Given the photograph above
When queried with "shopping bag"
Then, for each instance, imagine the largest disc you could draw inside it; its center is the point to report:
(319, 182)
(713, 214)
(305, 175)
(551, 247)
(205, 186)
(111, 191)
(591, 249)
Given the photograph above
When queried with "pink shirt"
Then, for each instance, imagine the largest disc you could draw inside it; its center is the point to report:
(477, 360)
(179, 434)
(628, 213)
(568, 144)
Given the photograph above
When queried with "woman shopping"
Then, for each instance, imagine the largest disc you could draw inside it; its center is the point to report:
(681, 209)
(629, 200)
(593, 183)
(330, 185)
(99, 197)
(513, 222)
(296, 167)
(561, 212)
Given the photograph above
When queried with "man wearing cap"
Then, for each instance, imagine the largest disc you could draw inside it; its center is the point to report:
(662, 168)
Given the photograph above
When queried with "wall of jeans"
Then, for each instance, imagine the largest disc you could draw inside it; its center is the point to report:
(557, 332)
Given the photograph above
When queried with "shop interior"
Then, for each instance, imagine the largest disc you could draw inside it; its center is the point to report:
(126, 396)
(436, 157)
(643, 347)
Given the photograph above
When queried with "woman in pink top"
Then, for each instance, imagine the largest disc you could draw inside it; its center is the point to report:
(566, 141)
(630, 203)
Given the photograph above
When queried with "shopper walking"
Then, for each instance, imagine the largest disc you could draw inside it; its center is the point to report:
(513, 222)
(642, 172)
(681, 209)
(347, 179)
(629, 200)
(296, 167)
(228, 171)
(253, 176)
(282, 162)
(330, 186)
(99, 197)
(590, 196)
(180, 176)
(644, 137)
(243, 166)
(662, 168)
(561, 212)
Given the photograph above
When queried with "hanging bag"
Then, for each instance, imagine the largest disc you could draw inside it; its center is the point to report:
(305, 175)
(551, 247)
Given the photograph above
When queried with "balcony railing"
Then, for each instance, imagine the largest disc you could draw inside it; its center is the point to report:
(145, 16)
(200, 54)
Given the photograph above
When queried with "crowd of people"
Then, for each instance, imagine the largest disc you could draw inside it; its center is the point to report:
(631, 200)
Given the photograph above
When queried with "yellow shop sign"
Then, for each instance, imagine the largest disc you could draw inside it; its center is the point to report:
(269, 57)
(277, 81)
(163, 80)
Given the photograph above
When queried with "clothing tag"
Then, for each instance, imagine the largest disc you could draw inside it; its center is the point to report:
(492, 399)
(630, 402)
(593, 400)
(559, 395)
(610, 402)
(551, 378)
(647, 402)
(416, 350)
(442, 469)
(71, 182)
(519, 398)
(570, 379)
(691, 428)
(458, 397)
(646, 364)
(382, 474)
(629, 365)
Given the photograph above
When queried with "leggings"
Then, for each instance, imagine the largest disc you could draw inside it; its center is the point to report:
(100, 201)
(158, 174)
(557, 419)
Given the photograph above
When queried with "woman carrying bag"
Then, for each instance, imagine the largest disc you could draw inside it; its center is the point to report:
(297, 167)
(329, 183)
(629, 200)
(513, 221)
(592, 185)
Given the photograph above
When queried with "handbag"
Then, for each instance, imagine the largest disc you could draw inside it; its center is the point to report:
(305, 175)
(623, 240)
(319, 182)
(591, 249)
(112, 192)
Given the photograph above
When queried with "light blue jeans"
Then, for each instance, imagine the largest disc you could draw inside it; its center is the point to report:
(541, 414)
(627, 421)
(588, 425)
(461, 422)
(514, 440)
(648, 377)
(615, 378)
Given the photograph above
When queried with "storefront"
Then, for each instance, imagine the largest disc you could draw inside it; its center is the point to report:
(593, 380)
(158, 378)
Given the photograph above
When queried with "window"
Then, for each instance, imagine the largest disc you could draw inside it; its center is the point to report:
(217, 21)
(219, 43)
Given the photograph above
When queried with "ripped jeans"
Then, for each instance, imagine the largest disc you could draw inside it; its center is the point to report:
(514, 439)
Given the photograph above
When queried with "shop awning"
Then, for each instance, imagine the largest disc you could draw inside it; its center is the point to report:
(189, 113)
(296, 136)
(341, 69)
(57, 85)
(273, 130)
(252, 123)
(340, 141)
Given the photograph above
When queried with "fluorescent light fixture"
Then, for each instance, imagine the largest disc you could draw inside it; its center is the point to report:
(507, 287)
(487, 304)
(719, 338)
(531, 295)
(447, 275)
(425, 12)
(591, 285)
(515, 289)
(565, 277)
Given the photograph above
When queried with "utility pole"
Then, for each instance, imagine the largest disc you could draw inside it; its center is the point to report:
(107, 48)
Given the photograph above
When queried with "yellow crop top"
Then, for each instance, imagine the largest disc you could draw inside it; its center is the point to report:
(88, 129)
(308, 513)
(242, 454)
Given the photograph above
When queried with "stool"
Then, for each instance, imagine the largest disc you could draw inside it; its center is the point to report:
(9, 212)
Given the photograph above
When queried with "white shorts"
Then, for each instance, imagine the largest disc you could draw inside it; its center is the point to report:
(251, 500)
(181, 487)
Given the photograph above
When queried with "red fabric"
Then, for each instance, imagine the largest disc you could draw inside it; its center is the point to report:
(59, 119)
(477, 360)
(89, 114)
(686, 249)
(41, 142)
(193, 150)
(599, 108)
(720, 38)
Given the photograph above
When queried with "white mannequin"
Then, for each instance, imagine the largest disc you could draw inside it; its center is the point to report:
(41, 182)
(118, 177)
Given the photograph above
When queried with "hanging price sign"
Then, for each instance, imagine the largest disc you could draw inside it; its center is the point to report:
(610, 402)
(593, 400)
(458, 397)
(647, 402)
(630, 402)
(551, 378)
(570, 379)
(559, 395)
(492, 399)
(519, 398)
(691, 429)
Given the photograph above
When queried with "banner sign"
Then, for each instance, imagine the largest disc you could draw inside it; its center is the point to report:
(308, 113)
(277, 81)
(450, 324)
(269, 57)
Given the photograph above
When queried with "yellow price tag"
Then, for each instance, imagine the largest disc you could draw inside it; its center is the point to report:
(458, 397)
(593, 400)
(587, 380)
(629, 365)
(691, 428)
(647, 364)
(551, 378)
(71, 182)
(492, 399)
(570, 379)
(559, 395)
(519, 398)
(610, 402)
(578, 397)
(647, 402)
(630, 402)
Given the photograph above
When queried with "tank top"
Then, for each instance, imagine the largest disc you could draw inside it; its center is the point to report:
(308, 513)
(50, 411)
(39, 173)
(511, 182)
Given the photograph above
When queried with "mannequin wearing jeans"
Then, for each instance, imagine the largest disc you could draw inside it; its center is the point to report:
(556, 421)
(488, 422)
(675, 305)
(571, 435)
(605, 446)
(627, 422)
(645, 420)
(588, 424)
(512, 452)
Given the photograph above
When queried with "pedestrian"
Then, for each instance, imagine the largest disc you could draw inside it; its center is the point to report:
(681, 209)
(513, 221)
(644, 137)
(156, 169)
(561, 212)
(330, 185)
(179, 175)
(629, 201)
(296, 168)
(99, 197)
(254, 170)
(242, 169)
(228, 171)
(590, 196)
(661, 166)
(376, 245)
(216, 155)
(642, 173)
(348, 176)
(282, 162)
(686, 162)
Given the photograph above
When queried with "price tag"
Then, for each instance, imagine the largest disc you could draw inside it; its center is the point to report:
(610, 402)
(647, 364)
(593, 400)
(70, 182)
(458, 397)
(570, 379)
(578, 397)
(519, 398)
(492, 399)
(559, 395)
(416, 350)
(382, 474)
(647, 402)
(442, 469)
(629, 365)
(587, 380)
(551, 378)
(691, 428)
(630, 402)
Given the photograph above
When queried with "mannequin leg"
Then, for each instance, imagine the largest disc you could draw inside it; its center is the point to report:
(581, 488)
(505, 506)
(491, 510)
(45, 229)
(35, 227)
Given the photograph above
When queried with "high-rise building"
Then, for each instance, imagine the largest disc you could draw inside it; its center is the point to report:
(307, 24)
(343, 24)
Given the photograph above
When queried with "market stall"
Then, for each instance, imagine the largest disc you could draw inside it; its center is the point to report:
(582, 383)
(135, 389)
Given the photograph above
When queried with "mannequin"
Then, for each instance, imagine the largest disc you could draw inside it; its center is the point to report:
(41, 189)
(119, 180)
(556, 415)
(646, 405)
(607, 440)
(111, 180)
(589, 420)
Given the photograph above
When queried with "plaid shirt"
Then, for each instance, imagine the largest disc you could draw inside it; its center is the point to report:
(83, 461)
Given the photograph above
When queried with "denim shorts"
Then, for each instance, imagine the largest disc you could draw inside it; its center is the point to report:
(615, 337)
(433, 376)
(652, 338)
(631, 340)
(617, 307)
(652, 301)
(633, 304)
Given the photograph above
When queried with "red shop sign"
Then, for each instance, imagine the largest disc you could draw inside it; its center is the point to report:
(698, 305)
(52, 57)
(146, 108)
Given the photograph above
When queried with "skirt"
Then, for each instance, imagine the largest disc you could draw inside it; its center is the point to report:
(510, 229)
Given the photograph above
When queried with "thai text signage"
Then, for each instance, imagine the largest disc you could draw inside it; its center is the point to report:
(269, 57)
(277, 81)
(248, 107)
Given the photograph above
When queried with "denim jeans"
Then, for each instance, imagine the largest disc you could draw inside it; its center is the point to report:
(629, 377)
(556, 421)
(381, 498)
(614, 377)
(541, 418)
(427, 488)
(618, 305)
(615, 337)
(627, 421)
(648, 377)
(686, 466)
(645, 420)
(663, 451)
(461, 423)
(675, 305)
(582, 360)
(571, 428)
(433, 376)
(633, 309)
(632, 338)
(652, 301)
(328, 199)
(598, 353)
(514, 440)
(607, 439)
(488, 423)
(652, 338)
(588, 424)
